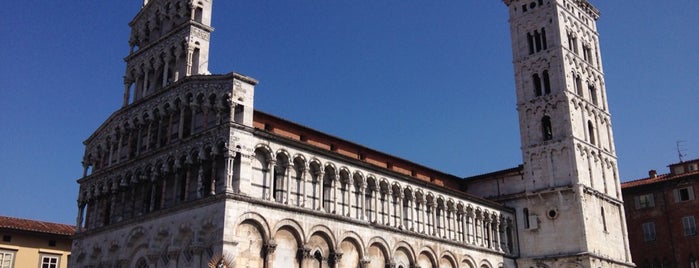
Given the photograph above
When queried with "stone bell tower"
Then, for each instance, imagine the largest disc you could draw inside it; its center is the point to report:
(568, 201)
(169, 40)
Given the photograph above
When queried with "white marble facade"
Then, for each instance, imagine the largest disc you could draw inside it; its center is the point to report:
(187, 172)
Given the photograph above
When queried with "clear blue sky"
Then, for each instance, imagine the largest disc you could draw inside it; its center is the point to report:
(428, 81)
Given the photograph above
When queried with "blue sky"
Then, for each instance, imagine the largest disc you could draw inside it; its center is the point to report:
(428, 81)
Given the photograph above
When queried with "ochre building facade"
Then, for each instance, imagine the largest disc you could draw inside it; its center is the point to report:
(187, 173)
(31, 243)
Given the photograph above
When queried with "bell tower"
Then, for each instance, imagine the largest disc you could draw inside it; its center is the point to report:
(569, 206)
(169, 41)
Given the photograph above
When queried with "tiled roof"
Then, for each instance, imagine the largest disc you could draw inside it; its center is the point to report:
(36, 226)
(658, 178)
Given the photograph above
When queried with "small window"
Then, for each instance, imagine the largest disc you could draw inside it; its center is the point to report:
(694, 167)
(546, 129)
(52, 243)
(679, 169)
(7, 259)
(645, 201)
(537, 85)
(543, 38)
(49, 261)
(604, 219)
(690, 226)
(531, 221)
(593, 94)
(683, 194)
(648, 231)
(6, 238)
(525, 212)
(578, 86)
(198, 14)
(547, 82)
(591, 132)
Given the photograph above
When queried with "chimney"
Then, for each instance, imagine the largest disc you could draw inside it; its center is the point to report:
(652, 173)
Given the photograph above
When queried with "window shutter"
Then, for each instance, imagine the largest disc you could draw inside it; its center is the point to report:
(690, 189)
(637, 200)
(533, 222)
(676, 195)
(651, 201)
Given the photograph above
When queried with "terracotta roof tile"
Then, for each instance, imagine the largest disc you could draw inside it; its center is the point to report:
(659, 178)
(36, 226)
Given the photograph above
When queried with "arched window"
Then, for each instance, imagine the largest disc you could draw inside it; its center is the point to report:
(318, 258)
(547, 83)
(570, 41)
(593, 94)
(438, 216)
(547, 132)
(543, 38)
(368, 204)
(327, 190)
(195, 62)
(537, 40)
(260, 181)
(591, 131)
(537, 84)
(279, 180)
(578, 86)
(530, 42)
(406, 211)
(198, 14)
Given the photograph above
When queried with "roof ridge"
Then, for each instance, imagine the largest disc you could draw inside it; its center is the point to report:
(36, 225)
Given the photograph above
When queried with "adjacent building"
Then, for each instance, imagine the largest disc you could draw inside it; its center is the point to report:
(30, 243)
(662, 212)
(187, 173)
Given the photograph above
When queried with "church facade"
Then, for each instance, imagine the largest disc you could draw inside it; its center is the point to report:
(188, 174)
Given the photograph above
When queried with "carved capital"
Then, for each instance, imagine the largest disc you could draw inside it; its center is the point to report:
(270, 246)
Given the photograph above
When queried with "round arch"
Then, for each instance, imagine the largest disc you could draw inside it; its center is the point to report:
(257, 219)
(468, 262)
(323, 231)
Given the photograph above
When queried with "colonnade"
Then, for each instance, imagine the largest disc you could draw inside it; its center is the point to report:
(133, 193)
(394, 204)
(158, 128)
